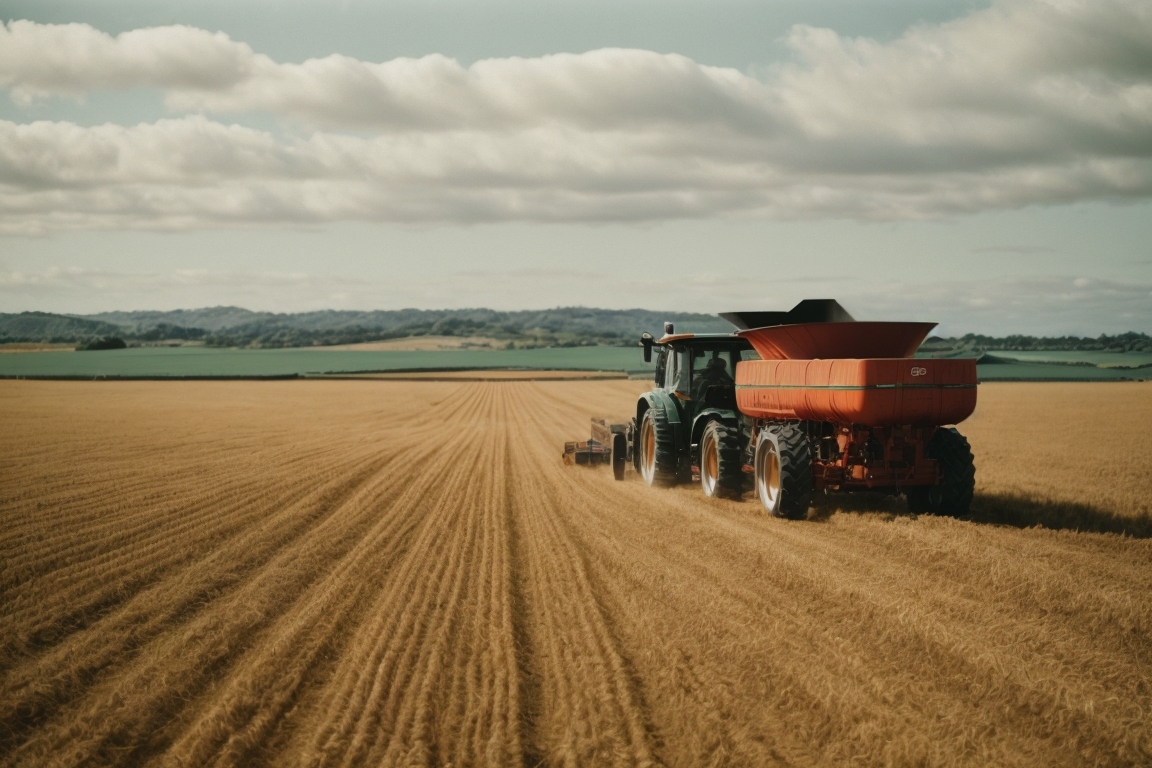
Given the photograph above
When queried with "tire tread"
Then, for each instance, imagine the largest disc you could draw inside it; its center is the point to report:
(731, 481)
(953, 495)
(795, 471)
(666, 464)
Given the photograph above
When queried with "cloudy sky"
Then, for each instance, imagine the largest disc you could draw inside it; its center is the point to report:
(984, 164)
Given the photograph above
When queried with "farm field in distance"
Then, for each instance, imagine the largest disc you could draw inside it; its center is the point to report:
(1105, 359)
(404, 355)
(347, 573)
(208, 361)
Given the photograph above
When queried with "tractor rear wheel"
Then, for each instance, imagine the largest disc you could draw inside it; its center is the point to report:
(657, 449)
(721, 461)
(953, 494)
(783, 464)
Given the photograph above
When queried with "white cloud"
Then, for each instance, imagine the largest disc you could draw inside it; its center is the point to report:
(1028, 102)
(37, 60)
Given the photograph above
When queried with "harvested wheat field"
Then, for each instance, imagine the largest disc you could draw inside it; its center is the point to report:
(348, 573)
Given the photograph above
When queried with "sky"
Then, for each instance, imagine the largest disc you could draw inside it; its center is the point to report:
(987, 165)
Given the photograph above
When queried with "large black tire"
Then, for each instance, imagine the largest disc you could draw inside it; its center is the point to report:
(619, 455)
(783, 464)
(953, 495)
(721, 461)
(657, 447)
(634, 436)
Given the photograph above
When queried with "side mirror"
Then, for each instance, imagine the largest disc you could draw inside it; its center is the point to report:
(646, 342)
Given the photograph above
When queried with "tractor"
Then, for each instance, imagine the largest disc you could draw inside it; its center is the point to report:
(687, 427)
(800, 402)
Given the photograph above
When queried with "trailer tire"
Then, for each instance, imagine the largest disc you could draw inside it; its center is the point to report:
(721, 461)
(657, 449)
(619, 455)
(783, 471)
(953, 494)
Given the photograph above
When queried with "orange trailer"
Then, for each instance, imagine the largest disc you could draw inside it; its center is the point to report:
(839, 405)
(876, 392)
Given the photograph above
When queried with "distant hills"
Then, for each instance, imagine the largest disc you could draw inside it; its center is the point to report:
(238, 327)
(977, 343)
(46, 327)
(207, 319)
(560, 327)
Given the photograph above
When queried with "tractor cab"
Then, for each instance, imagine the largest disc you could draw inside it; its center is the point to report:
(700, 370)
(695, 385)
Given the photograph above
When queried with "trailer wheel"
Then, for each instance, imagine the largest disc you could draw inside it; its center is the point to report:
(657, 449)
(953, 495)
(783, 465)
(721, 461)
(619, 455)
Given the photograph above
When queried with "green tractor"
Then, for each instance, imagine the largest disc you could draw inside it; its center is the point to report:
(688, 426)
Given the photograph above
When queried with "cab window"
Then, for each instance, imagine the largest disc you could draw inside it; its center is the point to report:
(672, 369)
(723, 369)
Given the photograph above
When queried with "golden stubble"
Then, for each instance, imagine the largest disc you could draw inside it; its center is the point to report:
(385, 573)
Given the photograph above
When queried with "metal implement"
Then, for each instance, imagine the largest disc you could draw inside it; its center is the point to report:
(609, 444)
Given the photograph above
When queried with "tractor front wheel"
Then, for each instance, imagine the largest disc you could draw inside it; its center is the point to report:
(721, 462)
(657, 449)
(783, 464)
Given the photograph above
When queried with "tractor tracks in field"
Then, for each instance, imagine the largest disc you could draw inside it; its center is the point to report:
(406, 574)
(91, 567)
(92, 589)
(431, 678)
(274, 678)
(183, 633)
(590, 711)
(381, 617)
(233, 595)
(529, 686)
(486, 645)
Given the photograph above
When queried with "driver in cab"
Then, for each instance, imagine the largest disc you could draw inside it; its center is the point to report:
(714, 374)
